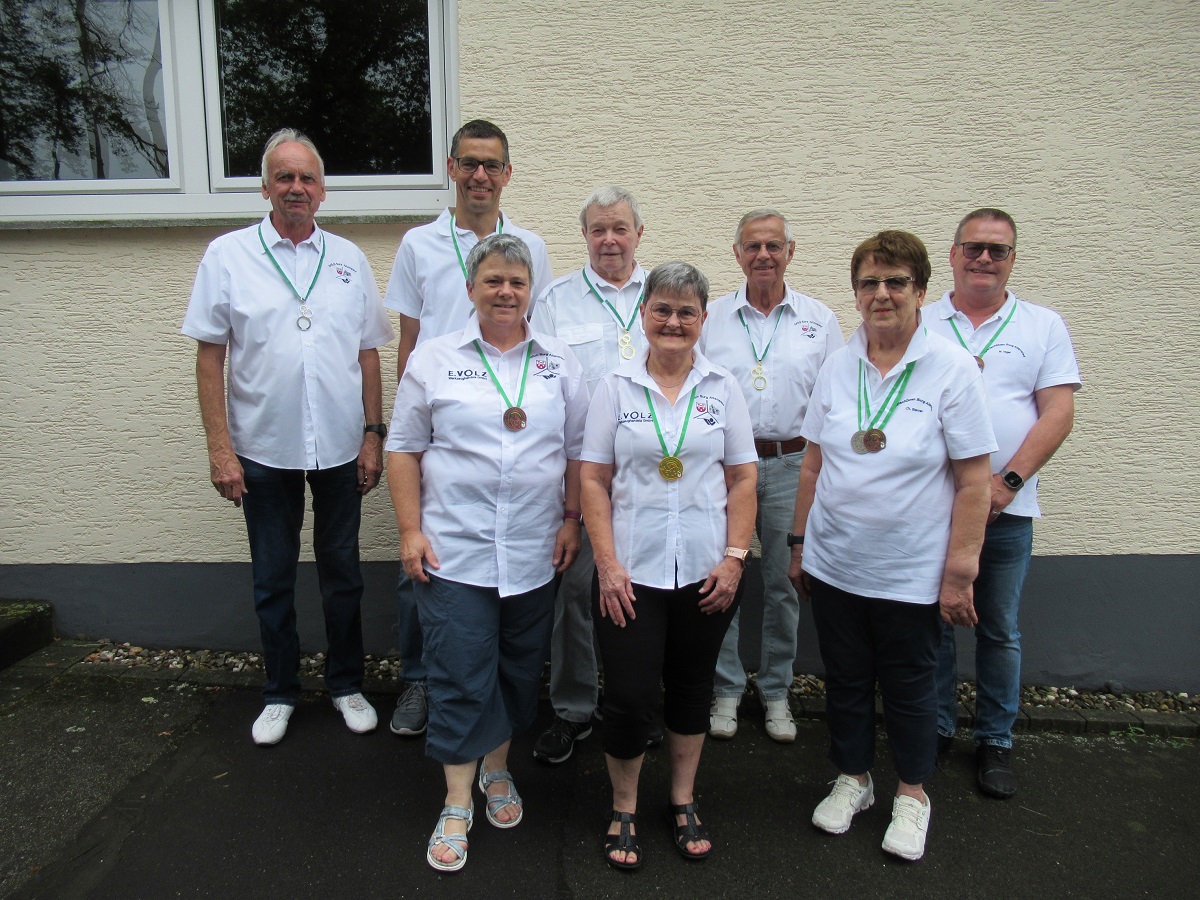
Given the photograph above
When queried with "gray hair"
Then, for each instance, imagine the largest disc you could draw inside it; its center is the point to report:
(288, 136)
(508, 247)
(756, 215)
(677, 279)
(610, 195)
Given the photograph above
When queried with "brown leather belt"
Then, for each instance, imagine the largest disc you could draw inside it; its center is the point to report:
(771, 449)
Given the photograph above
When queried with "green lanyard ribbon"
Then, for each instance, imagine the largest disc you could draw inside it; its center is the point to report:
(454, 237)
(658, 429)
(758, 358)
(496, 381)
(893, 398)
(987, 346)
(283, 274)
(612, 309)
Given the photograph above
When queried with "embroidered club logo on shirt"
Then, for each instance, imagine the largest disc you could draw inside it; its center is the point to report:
(343, 272)
(707, 410)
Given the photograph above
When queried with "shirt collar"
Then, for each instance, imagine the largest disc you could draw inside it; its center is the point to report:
(742, 299)
(918, 344)
(635, 369)
(945, 308)
(638, 277)
(271, 236)
(472, 333)
(443, 223)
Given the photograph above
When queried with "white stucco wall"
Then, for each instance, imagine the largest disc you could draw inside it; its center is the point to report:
(1078, 117)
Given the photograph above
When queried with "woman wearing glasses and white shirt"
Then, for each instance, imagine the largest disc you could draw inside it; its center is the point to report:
(668, 474)
(484, 474)
(894, 491)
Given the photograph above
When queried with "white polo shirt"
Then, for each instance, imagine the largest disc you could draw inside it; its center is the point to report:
(880, 522)
(571, 312)
(1034, 351)
(428, 283)
(294, 397)
(491, 499)
(807, 333)
(659, 525)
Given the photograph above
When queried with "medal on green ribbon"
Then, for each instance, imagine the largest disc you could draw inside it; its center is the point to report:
(514, 417)
(870, 437)
(988, 345)
(757, 373)
(671, 467)
(625, 340)
(304, 322)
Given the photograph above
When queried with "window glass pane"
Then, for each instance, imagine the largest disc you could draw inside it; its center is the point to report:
(354, 77)
(81, 90)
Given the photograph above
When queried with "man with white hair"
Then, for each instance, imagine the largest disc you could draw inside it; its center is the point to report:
(774, 340)
(596, 311)
(296, 313)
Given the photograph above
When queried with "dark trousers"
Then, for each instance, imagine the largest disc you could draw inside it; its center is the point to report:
(670, 641)
(274, 510)
(865, 641)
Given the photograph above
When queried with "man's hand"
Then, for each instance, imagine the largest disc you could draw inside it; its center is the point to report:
(225, 470)
(1002, 495)
(370, 462)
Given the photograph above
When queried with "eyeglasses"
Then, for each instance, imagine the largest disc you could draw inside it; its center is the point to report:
(469, 164)
(687, 315)
(974, 250)
(894, 285)
(775, 248)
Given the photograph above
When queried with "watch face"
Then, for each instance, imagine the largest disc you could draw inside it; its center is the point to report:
(1013, 480)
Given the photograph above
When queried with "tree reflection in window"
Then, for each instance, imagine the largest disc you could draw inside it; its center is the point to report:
(80, 90)
(353, 76)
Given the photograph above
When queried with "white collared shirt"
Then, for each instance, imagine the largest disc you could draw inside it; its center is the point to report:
(294, 397)
(491, 499)
(571, 312)
(807, 333)
(663, 527)
(427, 281)
(1034, 351)
(880, 522)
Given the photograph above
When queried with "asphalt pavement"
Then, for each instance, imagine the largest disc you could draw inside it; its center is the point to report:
(123, 784)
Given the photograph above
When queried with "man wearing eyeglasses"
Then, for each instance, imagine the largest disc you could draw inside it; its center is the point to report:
(596, 311)
(428, 288)
(774, 340)
(1030, 375)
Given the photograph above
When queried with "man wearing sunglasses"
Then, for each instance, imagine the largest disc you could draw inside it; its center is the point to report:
(774, 340)
(1030, 375)
(428, 288)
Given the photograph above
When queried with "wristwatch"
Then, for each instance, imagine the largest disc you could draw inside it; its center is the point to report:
(1012, 479)
(737, 553)
(380, 430)
(794, 539)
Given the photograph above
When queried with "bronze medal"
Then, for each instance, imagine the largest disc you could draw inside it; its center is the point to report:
(671, 468)
(979, 362)
(874, 440)
(856, 442)
(515, 418)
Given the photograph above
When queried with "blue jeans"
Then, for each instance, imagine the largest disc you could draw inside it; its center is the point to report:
(410, 642)
(778, 479)
(274, 510)
(1007, 547)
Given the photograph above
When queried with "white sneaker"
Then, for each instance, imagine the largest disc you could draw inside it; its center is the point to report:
(905, 837)
(833, 814)
(722, 718)
(359, 714)
(781, 727)
(271, 724)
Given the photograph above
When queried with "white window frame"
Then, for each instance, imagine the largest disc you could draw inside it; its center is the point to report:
(196, 189)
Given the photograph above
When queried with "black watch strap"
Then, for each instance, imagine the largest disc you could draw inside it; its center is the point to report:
(380, 430)
(794, 539)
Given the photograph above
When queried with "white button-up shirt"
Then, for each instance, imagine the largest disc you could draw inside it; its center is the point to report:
(880, 522)
(491, 499)
(571, 312)
(807, 333)
(659, 526)
(1034, 351)
(428, 283)
(294, 397)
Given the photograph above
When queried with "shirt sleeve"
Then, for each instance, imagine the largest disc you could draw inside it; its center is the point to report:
(600, 430)
(207, 318)
(577, 406)
(542, 317)
(542, 273)
(833, 334)
(412, 415)
(402, 293)
(1059, 366)
(820, 402)
(966, 424)
(377, 330)
(739, 430)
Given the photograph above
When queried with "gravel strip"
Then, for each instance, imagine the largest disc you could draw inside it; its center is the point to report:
(388, 668)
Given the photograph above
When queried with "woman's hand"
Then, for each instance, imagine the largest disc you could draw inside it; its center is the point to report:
(566, 544)
(957, 602)
(797, 576)
(415, 550)
(616, 592)
(721, 586)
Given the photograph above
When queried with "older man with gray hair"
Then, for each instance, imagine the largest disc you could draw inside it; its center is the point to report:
(595, 311)
(774, 340)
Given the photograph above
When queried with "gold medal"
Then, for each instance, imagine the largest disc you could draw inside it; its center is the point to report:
(874, 440)
(515, 418)
(671, 468)
(856, 442)
(979, 362)
(760, 380)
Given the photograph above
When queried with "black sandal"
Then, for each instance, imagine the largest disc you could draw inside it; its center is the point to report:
(625, 840)
(691, 831)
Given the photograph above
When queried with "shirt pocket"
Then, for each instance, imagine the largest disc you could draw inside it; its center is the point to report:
(587, 343)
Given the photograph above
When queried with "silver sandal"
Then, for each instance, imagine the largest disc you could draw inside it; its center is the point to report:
(456, 842)
(498, 802)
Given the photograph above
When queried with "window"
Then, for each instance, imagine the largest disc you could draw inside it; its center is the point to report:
(152, 110)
